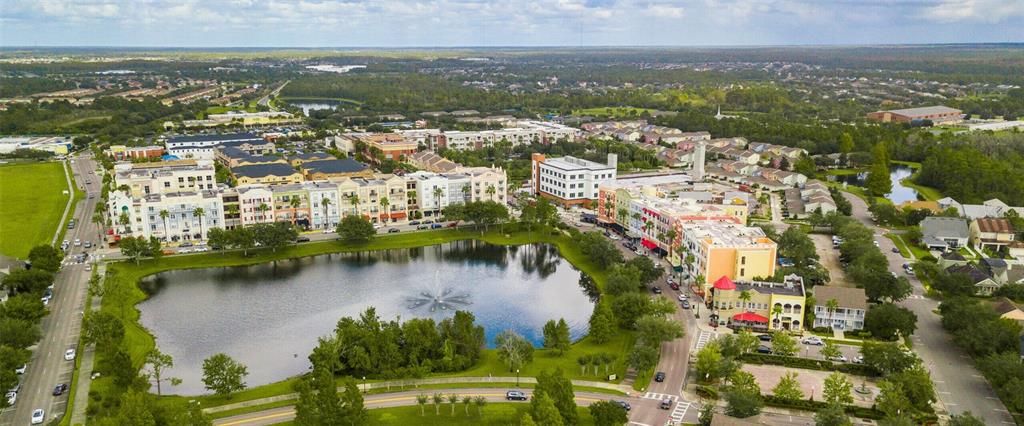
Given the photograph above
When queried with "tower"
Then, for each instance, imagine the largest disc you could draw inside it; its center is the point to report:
(698, 162)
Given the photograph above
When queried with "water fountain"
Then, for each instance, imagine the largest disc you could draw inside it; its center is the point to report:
(438, 297)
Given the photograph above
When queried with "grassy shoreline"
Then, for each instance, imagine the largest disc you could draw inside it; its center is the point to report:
(139, 341)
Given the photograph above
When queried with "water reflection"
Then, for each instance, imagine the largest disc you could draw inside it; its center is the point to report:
(898, 172)
(269, 316)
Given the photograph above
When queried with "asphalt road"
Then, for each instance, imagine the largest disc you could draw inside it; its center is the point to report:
(959, 386)
(61, 327)
(398, 399)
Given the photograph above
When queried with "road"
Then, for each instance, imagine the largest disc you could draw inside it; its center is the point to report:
(61, 327)
(399, 399)
(958, 385)
(265, 101)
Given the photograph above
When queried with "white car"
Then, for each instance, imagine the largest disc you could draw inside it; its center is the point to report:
(88, 268)
(859, 359)
(201, 249)
(813, 340)
(327, 231)
(21, 370)
(78, 242)
(840, 358)
(682, 297)
(69, 355)
(11, 398)
(38, 416)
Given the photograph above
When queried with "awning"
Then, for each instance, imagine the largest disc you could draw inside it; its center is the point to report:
(749, 317)
(648, 243)
(632, 234)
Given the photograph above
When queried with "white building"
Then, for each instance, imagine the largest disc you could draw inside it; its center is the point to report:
(202, 146)
(848, 312)
(571, 180)
(165, 177)
(172, 216)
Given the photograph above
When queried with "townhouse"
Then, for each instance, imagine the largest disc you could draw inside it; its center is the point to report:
(759, 305)
(841, 308)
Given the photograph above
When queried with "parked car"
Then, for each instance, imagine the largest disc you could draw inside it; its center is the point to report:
(394, 230)
(78, 242)
(682, 297)
(21, 370)
(659, 376)
(895, 250)
(12, 397)
(764, 337)
(38, 416)
(666, 404)
(88, 244)
(516, 396)
(436, 226)
(414, 222)
(201, 249)
(302, 240)
(840, 358)
(60, 389)
(614, 237)
(656, 290)
(673, 285)
(69, 355)
(762, 349)
(625, 405)
(859, 359)
(453, 224)
(421, 227)
(812, 340)
(686, 304)
(185, 244)
(427, 222)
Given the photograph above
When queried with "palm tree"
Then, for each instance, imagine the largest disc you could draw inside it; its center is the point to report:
(163, 215)
(831, 305)
(354, 200)
(480, 402)
(263, 208)
(777, 311)
(466, 400)
(199, 212)
(437, 194)
(452, 399)
(670, 235)
(326, 202)
(438, 400)
(745, 297)
(384, 203)
(491, 190)
(648, 225)
(465, 193)
(623, 215)
(97, 218)
(124, 221)
(295, 202)
(422, 400)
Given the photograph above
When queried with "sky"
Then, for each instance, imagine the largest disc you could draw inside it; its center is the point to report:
(444, 23)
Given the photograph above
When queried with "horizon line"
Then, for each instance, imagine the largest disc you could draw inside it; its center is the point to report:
(524, 46)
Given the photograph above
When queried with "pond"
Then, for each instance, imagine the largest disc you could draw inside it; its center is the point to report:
(269, 316)
(897, 173)
(308, 105)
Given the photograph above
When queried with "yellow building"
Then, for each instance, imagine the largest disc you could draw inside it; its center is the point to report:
(759, 305)
(725, 249)
(270, 174)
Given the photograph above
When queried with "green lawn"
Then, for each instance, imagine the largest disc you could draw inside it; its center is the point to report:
(126, 275)
(492, 414)
(900, 244)
(32, 201)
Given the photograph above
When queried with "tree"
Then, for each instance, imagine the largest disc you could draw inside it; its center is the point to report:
(643, 356)
(652, 330)
(630, 307)
(783, 344)
(437, 196)
(602, 323)
(917, 386)
(708, 360)
(788, 388)
(28, 280)
(25, 307)
(320, 404)
(831, 350)
(514, 350)
(45, 257)
(745, 298)
(837, 389)
(452, 399)
(164, 214)
(120, 366)
(103, 329)
(556, 386)
(466, 401)
(479, 401)
(739, 343)
(707, 414)
(219, 238)
(965, 419)
(891, 399)
(889, 321)
(544, 412)
(18, 333)
(556, 336)
(832, 415)
(198, 213)
(422, 400)
(845, 143)
(157, 362)
(887, 358)
(325, 203)
(274, 235)
(224, 375)
(743, 402)
(438, 399)
(794, 244)
(355, 229)
(607, 413)
(135, 409)
(648, 270)
(622, 279)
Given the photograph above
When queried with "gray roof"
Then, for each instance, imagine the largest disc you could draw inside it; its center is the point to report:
(847, 297)
(311, 156)
(928, 110)
(344, 165)
(263, 170)
(976, 275)
(944, 227)
(217, 137)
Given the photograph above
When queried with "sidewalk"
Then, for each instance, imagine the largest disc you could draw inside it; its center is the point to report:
(84, 373)
(415, 383)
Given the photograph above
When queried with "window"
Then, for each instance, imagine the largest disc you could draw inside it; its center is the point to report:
(743, 260)
(743, 272)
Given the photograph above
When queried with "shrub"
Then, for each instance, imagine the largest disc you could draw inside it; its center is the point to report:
(807, 405)
(810, 364)
(707, 391)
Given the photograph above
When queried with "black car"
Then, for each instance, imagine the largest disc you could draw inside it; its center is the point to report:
(516, 396)
(762, 349)
(895, 250)
(302, 240)
(60, 389)
(394, 231)
(659, 376)
(624, 405)
(764, 337)
(415, 222)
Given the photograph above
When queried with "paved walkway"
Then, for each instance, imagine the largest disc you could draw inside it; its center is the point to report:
(67, 208)
(403, 384)
(84, 372)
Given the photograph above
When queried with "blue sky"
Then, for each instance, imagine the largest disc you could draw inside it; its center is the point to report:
(430, 23)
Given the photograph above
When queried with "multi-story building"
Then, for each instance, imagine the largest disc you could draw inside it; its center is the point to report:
(391, 146)
(759, 305)
(255, 204)
(168, 216)
(123, 153)
(327, 169)
(848, 311)
(202, 146)
(324, 204)
(165, 177)
(726, 249)
(570, 180)
(381, 199)
(269, 173)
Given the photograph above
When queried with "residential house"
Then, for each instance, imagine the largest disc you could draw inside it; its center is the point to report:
(984, 285)
(992, 233)
(851, 305)
(952, 258)
(1009, 310)
(943, 233)
(759, 305)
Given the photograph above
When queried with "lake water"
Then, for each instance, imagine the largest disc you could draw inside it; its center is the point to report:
(308, 105)
(898, 172)
(269, 316)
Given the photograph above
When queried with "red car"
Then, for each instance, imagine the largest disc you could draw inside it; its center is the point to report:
(674, 286)
(453, 224)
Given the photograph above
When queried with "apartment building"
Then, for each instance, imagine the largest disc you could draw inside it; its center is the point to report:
(848, 311)
(203, 146)
(391, 146)
(726, 249)
(759, 305)
(165, 177)
(168, 216)
(125, 153)
(277, 173)
(569, 180)
(255, 204)
(381, 199)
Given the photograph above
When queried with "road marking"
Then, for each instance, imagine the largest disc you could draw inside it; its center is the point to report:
(703, 339)
(680, 410)
(659, 396)
(639, 424)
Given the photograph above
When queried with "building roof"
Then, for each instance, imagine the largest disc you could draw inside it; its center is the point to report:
(976, 275)
(344, 165)
(953, 255)
(925, 111)
(1003, 306)
(995, 225)
(264, 170)
(750, 317)
(215, 137)
(952, 227)
(847, 297)
(311, 156)
(570, 163)
(725, 283)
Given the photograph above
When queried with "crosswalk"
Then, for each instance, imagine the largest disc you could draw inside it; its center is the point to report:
(703, 339)
(660, 396)
(680, 410)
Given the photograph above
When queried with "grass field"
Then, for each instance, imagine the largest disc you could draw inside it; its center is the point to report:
(32, 201)
(492, 414)
(125, 276)
(612, 111)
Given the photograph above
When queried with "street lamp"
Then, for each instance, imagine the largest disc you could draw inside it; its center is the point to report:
(517, 377)
(364, 384)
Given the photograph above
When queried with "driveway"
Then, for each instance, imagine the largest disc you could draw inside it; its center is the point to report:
(958, 385)
(829, 258)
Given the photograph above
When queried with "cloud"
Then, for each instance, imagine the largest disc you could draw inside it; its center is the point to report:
(976, 10)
